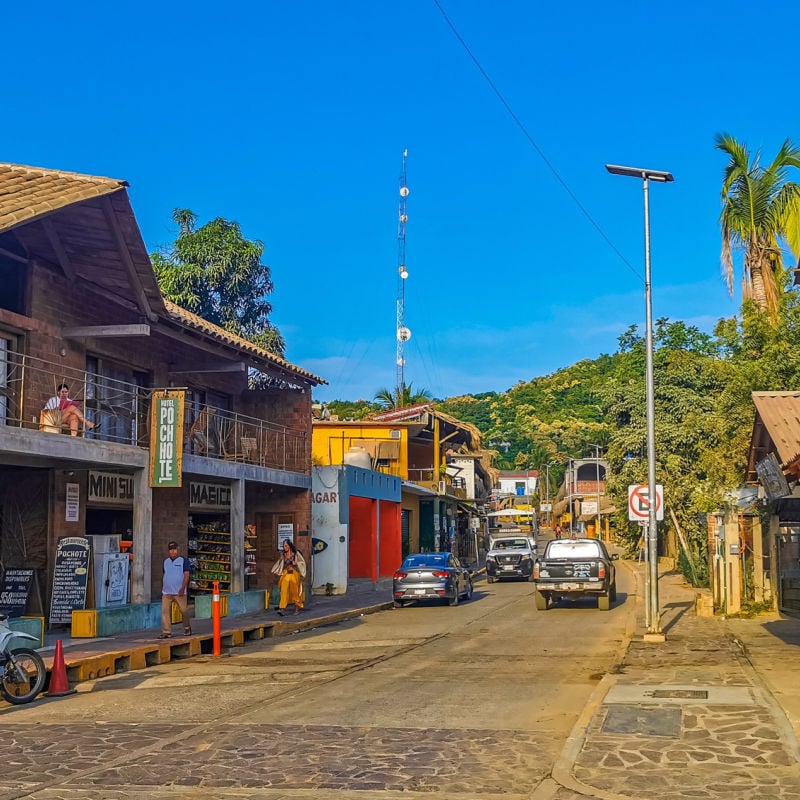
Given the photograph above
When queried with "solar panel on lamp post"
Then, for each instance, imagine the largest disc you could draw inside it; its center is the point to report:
(653, 617)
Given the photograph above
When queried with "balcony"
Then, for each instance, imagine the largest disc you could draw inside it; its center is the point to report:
(120, 413)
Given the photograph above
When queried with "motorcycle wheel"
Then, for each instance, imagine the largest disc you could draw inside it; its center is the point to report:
(29, 663)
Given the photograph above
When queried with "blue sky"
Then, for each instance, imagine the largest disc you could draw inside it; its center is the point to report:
(291, 118)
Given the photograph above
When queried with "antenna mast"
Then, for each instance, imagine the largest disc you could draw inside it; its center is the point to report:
(403, 333)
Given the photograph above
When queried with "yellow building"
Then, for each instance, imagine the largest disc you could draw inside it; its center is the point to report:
(437, 457)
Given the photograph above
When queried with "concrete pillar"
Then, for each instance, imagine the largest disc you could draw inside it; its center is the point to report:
(237, 536)
(774, 566)
(141, 578)
(757, 556)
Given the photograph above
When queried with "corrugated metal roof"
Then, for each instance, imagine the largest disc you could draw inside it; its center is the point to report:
(190, 320)
(30, 192)
(780, 413)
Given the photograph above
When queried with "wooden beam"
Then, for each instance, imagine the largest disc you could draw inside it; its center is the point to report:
(61, 253)
(105, 330)
(233, 367)
(14, 256)
(133, 277)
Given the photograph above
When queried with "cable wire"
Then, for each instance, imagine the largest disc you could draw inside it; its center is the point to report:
(535, 146)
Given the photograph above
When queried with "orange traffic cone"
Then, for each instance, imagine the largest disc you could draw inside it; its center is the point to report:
(59, 684)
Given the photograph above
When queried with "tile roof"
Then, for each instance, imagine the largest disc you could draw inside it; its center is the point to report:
(30, 192)
(780, 414)
(188, 319)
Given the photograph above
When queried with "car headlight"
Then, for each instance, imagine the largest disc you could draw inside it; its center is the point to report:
(490, 558)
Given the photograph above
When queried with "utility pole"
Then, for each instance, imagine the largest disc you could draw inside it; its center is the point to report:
(403, 333)
(597, 449)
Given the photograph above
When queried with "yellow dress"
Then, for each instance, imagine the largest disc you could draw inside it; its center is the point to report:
(290, 582)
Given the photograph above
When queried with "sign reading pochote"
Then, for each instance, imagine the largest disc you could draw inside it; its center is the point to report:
(166, 438)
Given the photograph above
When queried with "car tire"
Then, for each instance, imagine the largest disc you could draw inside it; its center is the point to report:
(468, 592)
(489, 579)
(541, 601)
(453, 601)
(614, 592)
(604, 601)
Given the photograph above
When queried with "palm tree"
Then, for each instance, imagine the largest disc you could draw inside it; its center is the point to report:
(402, 396)
(760, 209)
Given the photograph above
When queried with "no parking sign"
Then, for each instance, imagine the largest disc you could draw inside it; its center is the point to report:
(639, 503)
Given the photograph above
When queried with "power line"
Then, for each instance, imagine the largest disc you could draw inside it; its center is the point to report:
(533, 144)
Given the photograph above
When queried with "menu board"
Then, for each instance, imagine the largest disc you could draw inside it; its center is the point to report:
(70, 578)
(14, 591)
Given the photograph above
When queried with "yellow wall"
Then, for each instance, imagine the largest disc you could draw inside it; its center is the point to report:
(330, 441)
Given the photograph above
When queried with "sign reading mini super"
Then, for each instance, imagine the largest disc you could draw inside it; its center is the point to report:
(166, 438)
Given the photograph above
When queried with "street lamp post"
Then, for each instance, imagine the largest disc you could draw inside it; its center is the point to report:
(569, 506)
(653, 616)
(597, 449)
(547, 492)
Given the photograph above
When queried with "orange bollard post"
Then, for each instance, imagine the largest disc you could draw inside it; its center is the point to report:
(216, 619)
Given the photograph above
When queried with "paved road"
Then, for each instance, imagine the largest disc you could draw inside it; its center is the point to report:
(472, 701)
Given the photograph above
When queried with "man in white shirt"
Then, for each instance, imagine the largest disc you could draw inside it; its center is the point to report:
(174, 588)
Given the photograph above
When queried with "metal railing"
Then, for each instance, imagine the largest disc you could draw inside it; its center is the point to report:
(119, 412)
(217, 433)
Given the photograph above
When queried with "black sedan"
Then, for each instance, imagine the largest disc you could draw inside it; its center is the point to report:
(427, 576)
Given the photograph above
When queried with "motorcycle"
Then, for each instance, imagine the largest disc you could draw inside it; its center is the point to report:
(22, 670)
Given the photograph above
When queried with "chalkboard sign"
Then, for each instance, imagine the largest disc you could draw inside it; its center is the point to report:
(70, 578)
(14, 591)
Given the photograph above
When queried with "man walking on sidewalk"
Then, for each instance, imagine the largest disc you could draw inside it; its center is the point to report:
(175, 586)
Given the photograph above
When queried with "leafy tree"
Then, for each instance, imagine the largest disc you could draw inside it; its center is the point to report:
(213, 271)
(401, 397)
(760, 210)
(359, 409)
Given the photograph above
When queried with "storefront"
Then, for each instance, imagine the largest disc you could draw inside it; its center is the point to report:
(210, 544)
(109, 529)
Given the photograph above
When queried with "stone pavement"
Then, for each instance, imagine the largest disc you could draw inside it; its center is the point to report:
(691, 717)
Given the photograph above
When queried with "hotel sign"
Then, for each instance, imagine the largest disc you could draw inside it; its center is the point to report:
(166, 438)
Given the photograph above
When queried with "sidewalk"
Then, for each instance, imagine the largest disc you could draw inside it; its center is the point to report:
(693, 717)
(87, 659)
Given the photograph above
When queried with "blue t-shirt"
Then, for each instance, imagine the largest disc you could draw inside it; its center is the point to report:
(173, 574)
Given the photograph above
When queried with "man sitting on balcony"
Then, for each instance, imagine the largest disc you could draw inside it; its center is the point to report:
(69, 410)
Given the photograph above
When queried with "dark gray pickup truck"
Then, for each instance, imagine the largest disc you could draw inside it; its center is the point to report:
(575, 568)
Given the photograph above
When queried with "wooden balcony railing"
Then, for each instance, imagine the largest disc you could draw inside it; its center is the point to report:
(120, 413)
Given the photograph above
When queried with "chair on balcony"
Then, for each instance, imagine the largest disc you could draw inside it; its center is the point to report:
(199, 430)
(250, 449)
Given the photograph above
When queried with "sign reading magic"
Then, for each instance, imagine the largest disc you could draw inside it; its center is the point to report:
(166, 438)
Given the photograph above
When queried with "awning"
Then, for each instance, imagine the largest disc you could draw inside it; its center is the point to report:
(469, 509)
(414, 488)
(511, 512)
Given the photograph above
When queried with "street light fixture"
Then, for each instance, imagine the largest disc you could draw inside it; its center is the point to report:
(653, 618)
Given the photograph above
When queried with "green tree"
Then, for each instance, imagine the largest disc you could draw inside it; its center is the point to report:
(760, 211)
(213, 271)
(401, 397)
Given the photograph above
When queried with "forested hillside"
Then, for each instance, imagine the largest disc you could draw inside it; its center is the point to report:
(704, 411)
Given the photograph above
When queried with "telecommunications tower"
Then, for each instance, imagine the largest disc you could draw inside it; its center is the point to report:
(403, 333)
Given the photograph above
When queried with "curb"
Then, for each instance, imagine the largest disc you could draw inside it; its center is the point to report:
(138, 655)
